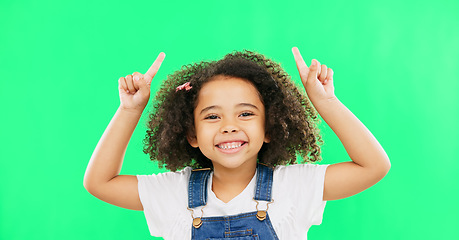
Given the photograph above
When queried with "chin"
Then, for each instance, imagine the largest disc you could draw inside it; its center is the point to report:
(230, 165)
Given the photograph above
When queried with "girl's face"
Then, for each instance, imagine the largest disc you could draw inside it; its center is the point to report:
(229, 122)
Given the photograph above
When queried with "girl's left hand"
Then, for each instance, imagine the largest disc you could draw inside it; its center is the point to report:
(317, 79)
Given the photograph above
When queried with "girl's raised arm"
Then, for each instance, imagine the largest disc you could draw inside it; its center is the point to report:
(369, 161)
(101, 178)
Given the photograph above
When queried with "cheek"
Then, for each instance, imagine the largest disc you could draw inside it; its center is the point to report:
(262, 125)
(204, 133)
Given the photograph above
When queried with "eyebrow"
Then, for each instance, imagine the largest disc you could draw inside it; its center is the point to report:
(218, 107)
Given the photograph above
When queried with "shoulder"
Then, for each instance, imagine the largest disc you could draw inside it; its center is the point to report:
(302, 169)
(298, 194)
(307, 174)
(157, 191)
(164, 200)
(177, 174)
(165, 179)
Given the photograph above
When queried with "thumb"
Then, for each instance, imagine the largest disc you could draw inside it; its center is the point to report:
(314, 69)
(144, 86)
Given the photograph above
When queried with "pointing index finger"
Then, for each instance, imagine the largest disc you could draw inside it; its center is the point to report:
(300, 64)
(298, 58)
(154, 67)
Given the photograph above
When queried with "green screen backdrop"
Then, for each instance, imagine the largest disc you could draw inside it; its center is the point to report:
(395, 63)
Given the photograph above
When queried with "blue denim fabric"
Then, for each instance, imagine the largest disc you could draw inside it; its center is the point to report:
(197, 188)
(236, 227)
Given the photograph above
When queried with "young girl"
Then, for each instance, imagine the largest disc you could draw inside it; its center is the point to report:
(230, 131)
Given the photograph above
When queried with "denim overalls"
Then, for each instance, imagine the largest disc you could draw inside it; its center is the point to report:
(251, 225)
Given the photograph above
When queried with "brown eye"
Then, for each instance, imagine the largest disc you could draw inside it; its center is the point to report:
(246, 114)
(211, 117)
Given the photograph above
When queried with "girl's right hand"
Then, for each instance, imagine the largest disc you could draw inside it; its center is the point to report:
(135, 89)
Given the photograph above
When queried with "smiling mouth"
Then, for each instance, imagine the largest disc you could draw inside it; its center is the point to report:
(230, 145)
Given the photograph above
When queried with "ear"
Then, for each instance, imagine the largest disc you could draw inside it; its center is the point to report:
(192, 140)
(267, 139)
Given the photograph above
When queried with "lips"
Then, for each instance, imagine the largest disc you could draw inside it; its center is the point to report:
(230, 145)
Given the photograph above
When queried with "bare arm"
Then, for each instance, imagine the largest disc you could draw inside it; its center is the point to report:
(369, 163)
(102, 177)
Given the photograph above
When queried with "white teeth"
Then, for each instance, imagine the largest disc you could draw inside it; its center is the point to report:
(226, 146)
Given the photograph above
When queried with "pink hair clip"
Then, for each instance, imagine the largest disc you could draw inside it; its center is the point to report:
(185, 86)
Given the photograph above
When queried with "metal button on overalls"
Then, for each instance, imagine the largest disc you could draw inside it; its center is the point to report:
(251, 225)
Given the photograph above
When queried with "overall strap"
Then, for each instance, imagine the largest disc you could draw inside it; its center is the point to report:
(264, 183)
(197, 187)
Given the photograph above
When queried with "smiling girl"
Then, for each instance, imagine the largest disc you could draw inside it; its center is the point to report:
(230, 132)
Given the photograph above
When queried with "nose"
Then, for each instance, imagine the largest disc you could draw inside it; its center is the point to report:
(229, 126)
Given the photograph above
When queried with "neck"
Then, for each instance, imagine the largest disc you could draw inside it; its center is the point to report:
(242, 174)
(228, 183)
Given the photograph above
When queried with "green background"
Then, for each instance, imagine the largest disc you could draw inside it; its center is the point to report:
(395, 63)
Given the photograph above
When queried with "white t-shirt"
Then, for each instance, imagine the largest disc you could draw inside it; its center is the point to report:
(297, 192)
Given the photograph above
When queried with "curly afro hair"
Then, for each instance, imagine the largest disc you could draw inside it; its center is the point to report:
(291, 121)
